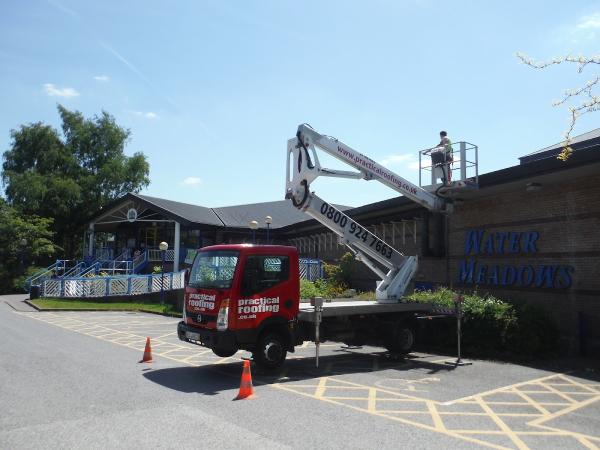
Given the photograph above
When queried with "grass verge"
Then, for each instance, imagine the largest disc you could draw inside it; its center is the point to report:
(84, 304)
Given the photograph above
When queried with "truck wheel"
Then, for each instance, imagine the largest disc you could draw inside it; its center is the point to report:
(270, 351)
(224, 353)
(401, 340)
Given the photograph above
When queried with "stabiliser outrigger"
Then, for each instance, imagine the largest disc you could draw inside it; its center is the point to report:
(303, 168)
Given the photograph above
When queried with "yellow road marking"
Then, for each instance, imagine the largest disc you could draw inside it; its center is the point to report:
(165, 335)
(499, 390)
(559, 393)
(223, 360)
(500, 423)
(321, 387)
(525, 403)
(587, 443)
(532, 402)
(372, 402)
(394, 418)
(587, 387)
(562, 412)
(437, 420)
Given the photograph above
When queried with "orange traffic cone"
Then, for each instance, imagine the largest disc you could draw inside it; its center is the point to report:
(246, 383)
(147, 352)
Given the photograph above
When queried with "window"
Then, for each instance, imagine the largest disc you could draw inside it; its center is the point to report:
(264, 272)
(213, 270)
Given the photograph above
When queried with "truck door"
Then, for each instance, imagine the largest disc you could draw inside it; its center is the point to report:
(267, 290)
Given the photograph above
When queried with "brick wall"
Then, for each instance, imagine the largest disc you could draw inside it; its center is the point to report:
(567, 217)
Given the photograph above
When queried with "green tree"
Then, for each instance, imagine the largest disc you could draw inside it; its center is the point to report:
(24, 240)
(71, 176)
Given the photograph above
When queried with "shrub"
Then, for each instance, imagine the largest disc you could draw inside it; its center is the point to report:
(492, 326)
(319, 288)
(19, 282)
(332, 271)
(308, 289)
(341, 274)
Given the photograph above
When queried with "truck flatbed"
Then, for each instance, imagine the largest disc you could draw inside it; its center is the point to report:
(356, 307)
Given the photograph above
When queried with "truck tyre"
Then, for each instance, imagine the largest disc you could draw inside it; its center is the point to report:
(401, 340)
(224, 352)
(270, 351)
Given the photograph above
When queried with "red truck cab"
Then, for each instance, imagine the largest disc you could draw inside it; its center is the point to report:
(243, 297)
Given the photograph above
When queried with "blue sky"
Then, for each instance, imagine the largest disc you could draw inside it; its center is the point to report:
(212, 90)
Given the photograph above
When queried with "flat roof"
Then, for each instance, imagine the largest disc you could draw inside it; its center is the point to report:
(581, 142)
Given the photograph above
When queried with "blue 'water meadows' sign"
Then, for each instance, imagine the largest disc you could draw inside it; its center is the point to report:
(483, 243)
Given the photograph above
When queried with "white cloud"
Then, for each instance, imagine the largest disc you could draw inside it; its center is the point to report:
(589, 22)
(403, 163)
(146, 114)
(54, 91)
(191, 181)
(585, 29)
(102, 78)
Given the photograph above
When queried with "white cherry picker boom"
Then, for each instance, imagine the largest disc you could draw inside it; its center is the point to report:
(303, 168)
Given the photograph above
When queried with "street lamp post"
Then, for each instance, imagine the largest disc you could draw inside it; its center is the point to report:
(163, 246)
(253, 227)
(268, 221)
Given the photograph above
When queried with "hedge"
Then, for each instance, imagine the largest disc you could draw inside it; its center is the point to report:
(491, 327)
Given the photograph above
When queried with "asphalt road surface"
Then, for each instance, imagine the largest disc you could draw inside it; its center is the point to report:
(72, 380)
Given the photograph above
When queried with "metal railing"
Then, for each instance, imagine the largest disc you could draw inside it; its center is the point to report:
(38, 278)
(74, 271)
(139, 261)
(110, 267)
(110, 286)
(91, 270)
(125, 254)
(464, 165)
(156, 255)
(311, 269)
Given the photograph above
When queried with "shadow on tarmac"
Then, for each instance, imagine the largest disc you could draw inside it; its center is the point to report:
(212, 379)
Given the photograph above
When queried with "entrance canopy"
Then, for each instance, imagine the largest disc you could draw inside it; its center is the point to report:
(137, 222)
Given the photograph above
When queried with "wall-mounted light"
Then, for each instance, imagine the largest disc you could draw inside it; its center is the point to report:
(533, 186)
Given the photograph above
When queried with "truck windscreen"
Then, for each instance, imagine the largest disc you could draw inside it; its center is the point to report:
(213, 269)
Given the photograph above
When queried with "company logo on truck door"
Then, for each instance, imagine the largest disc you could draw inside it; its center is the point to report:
(202, 301)
(257, 305)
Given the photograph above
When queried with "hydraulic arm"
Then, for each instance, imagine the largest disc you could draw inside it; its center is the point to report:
(303, 168)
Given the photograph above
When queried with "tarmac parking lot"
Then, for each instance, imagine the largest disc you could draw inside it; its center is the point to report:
(486, 404)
